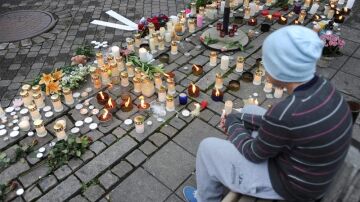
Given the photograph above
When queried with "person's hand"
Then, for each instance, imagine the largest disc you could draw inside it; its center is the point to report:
(222, 121)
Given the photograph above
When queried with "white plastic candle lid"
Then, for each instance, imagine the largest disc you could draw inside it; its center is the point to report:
(128, 122)
(76, 95)
(9, 109)
(84, 94)
(185, 113)
(88, 120)
(93, 126)
(13, 113)
(52, 144)
(149, 123)
(91, 107)
(79, 123)
(2, 132)
(47, 108)
(88, 90)
(17, 109)
(2, 126)
(86, 103)
(30, 134)
(39, 155)
(75, 130)
(14, 133)
(79, 106)
(84, 111)
(16, 128)
(186, 68)
(19, 192)
(49, 114)
(42, 149)
(255, 94)
(95, 111)
(24, 111)
(15, 121)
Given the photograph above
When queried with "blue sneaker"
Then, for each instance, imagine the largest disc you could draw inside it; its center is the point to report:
(189, 194)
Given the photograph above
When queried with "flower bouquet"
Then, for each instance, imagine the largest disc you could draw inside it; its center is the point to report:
(332, 47)
(158, 21)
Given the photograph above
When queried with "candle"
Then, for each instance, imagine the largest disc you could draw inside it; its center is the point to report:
(24, 124)
(246, 3)
(282, 20)
(183, 98)
(157, 80)
(174, 48)
(37, 90)
(331, 13)
(350, 4)
(161, 43)
(197, 70)
(278, 92)
(143, 55)
(339, 19)
(252, 21)
(126, 105)
(193, 90)
(170, 105)
(2, 112)
(228, 107)
(137, 40)
(147, 88)
(124, 79)
(55, 99)
(296, 22)
(102, 98)
(40, 129)
(307, 3)
(314, 8)
(120, 63)
(196, 111)
(60, 131)
(151, 27)
(202, 10)
(219, 82)
(247, 12)
(109, 59)
(143, 105)
(345, 11)
(139, 124)
(105, 76)
(34, 112)
(217, 95)
(130, 69)
(252, 6)
(267, 87)
(268, 19)
(96, 81)
(199, 20)
(224, 62)
(115, 73)
(115, 51)
(69, 100)
(27, 87)
(138, 73)
(162, 94)
(171, 86)
(162, 31)
(257, 78)
(268, 2)
(105, 117)
(297, 7)
(302, 16)
(326, 9)
(316, 27)
(26, 98)
(99, 59)
(168, 37)
(213, 58)
(191, 24)
(152, 45)
(137, 85)
(169, 26)
(316, 17)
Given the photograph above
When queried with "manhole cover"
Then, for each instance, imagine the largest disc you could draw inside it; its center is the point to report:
(22, 24)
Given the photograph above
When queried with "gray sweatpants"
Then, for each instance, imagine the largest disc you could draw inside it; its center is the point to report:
(219, 164)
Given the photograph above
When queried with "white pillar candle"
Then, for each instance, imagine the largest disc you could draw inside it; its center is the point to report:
(39, 102)
(68, 96)
(224, 62)
(40, 129)
(228, 107)
(219, 82)
(240, 64)
(130, 69)
(124, 79)
(247, 13)
(137, 85)
(268, 87)
(24, 124)
(314, 8)
(55, 99)
(162, 94)
(170, 104)
(213, 58)
(60, 131)
(120, 63)
(171, 86)
(139, 124)
(168, 37)
(350, 4)
(25, 95)
(174, 48)
(143, 54)
(278, 92)
(115, 51)
(157, 80)
(34, 112)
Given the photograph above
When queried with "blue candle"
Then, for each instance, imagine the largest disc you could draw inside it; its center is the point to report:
(183, 99)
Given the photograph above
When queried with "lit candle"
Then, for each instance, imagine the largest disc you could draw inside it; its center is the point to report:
(102, 98)
(183, 98)
(168, 37)
(331, 13)
(196, 111)
(34, 112)
(316, 17)
(68, 96)
(345, 11)
(193, 90)
(120, 63)
(147, 88)
(199, 20)
(213, 58)
(307, 3)
(252, 21)
(143, 105)
(26, 98)
(278, 92)
(217, 95)
(137, 40)
(105, 117)
(126, 105)
(228, 107)
(224, 62)
(115, 51)
(302, 16)
(282, 20)
(55, 99)
(247, 12)
(191, 24)
(124, 79)
(157, 80)
(105, 76)
(96, 81)
(139, 124)
(60, 131)
(314, 8)
(110, 105)
(143, 55)
(99, 59)
(161, 43)
(162, 94)
(40, 129)
(137, 85)
(151, 27)
(339, 19)
(130, 69)
(268, 87)
(174, 48)
(197, 70)
(296, 22)
(171, 86)
(170, 105)
(219, 82)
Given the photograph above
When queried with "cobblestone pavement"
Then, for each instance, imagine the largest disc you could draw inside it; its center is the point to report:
(121, 165)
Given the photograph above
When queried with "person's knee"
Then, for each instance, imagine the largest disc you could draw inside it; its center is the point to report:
(208, 144)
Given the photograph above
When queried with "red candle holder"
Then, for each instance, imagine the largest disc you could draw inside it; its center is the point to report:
(276, 15)
(102, 98)
(231, 33)
(110, 105)
(193, 90)
(217, 95)
(197, 70)
(252, 22)
(265, 13)
(219, 26)
(222, 33)
(235, 28)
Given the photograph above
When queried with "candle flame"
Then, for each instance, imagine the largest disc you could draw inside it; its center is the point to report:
(340, 18)
(101, 95)
(269, 17)
(142, 102)
(167, 75)
(196, 68)
(193, 87)
(256, 101)
(110, 103)
(283, 18)
(217, 92)
(110, 85)
(105, 114)
(127, 103)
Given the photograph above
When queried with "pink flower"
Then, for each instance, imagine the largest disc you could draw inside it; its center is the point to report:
(187, 11)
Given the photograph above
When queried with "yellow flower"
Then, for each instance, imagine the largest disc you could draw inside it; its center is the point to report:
(57, 75)
(52, 88)
(46, 79)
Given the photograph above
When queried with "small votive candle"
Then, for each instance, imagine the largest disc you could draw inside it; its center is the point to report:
(137, 40)
(120, 63)
(217, 95)
(137, 85)
(96, 81)
(39, 102)
(191, 24)
(296, 22)
(147, 87)
(252, 21)
(193, 90)
(278, 92)
(58, 106)
(124, 79)
(162, 94)
(282, 20)
(34, 112)
(25, 95)
(170, 104)
(213, 58)
(27, 87)
(174, 48)
(171, 86)
(105, 79)
(130, 69)
(105, 117)
(126, 105)
(24, 124)
(68, 96)
(102, 98)
(115, 73)
(40, 128)
(240, 64)
(183, 98)
(257, 77)
(247, 12)
(268, 87)
(219, 82)
(157, 80)
(228, 107)
(197, 70)
(110, 105)
(139, 124)
(302, 16)
(143, 105)
(60, 131)
(224, 65)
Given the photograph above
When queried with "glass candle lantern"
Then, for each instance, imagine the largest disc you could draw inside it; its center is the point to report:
(278, 92)
(137, 38)
(124, 79)
(213, 58)
(171, 86)
(199, 20)
(161, 43)
(224, 65)
(147, 88)
(60, 131)
(162, 94)
(69, 100)
(219, 82)
(34, 112)
(27, 87)
(143, 55)
(170, 104)
(96, 81)
(151, 27)
(115, 73)
(246, 3)
(120, 63)
(37, 90)
(40, 128)
(137, 85)
(240, 64)
(157, 80)
(257, 77)
(174, 48)
(109, 59)
(105, 79)
(39, 102)
(228, 107)
(191, 24)
(130, 69)
(99, 59)
(268, 87)
(169, 26)
(247, 12)
(302, 16)
(307, 3)
(25, 95)
(58, 106)
(139, 124)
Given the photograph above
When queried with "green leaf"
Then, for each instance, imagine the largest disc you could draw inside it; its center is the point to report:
(2, 155)
(65, 151)
(78, 153)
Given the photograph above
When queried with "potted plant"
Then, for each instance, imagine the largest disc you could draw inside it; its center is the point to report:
(332, 47)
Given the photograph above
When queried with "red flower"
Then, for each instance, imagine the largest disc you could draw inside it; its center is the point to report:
(141, 27)
(204, 104)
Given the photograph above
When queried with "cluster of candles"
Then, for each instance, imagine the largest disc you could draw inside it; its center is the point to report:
(233, 29)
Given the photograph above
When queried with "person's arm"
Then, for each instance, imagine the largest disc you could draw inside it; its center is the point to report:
(271, 140)
(249, 121)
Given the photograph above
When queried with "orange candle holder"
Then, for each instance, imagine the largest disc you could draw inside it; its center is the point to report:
(252, 21)
(193, 90)
(110, 105)
(105, 117)
(143, 105)
(102, 98)
(282, 20)
(127, 105)
(197, 70)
